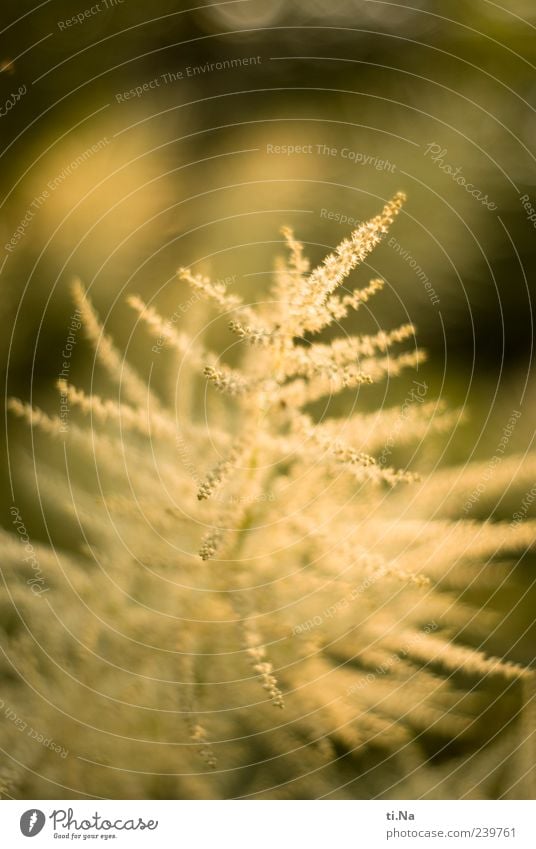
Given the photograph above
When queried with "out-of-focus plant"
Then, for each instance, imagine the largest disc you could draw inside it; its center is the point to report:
(298, 560)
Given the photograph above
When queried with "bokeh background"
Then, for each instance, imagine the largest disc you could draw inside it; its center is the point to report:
(121, 187)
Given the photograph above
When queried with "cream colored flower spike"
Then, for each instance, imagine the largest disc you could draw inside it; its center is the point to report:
(239, 551)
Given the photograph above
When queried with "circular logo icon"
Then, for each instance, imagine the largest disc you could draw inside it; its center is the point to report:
(31, 822)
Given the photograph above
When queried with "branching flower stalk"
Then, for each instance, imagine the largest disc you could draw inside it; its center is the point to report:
(292, 558)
